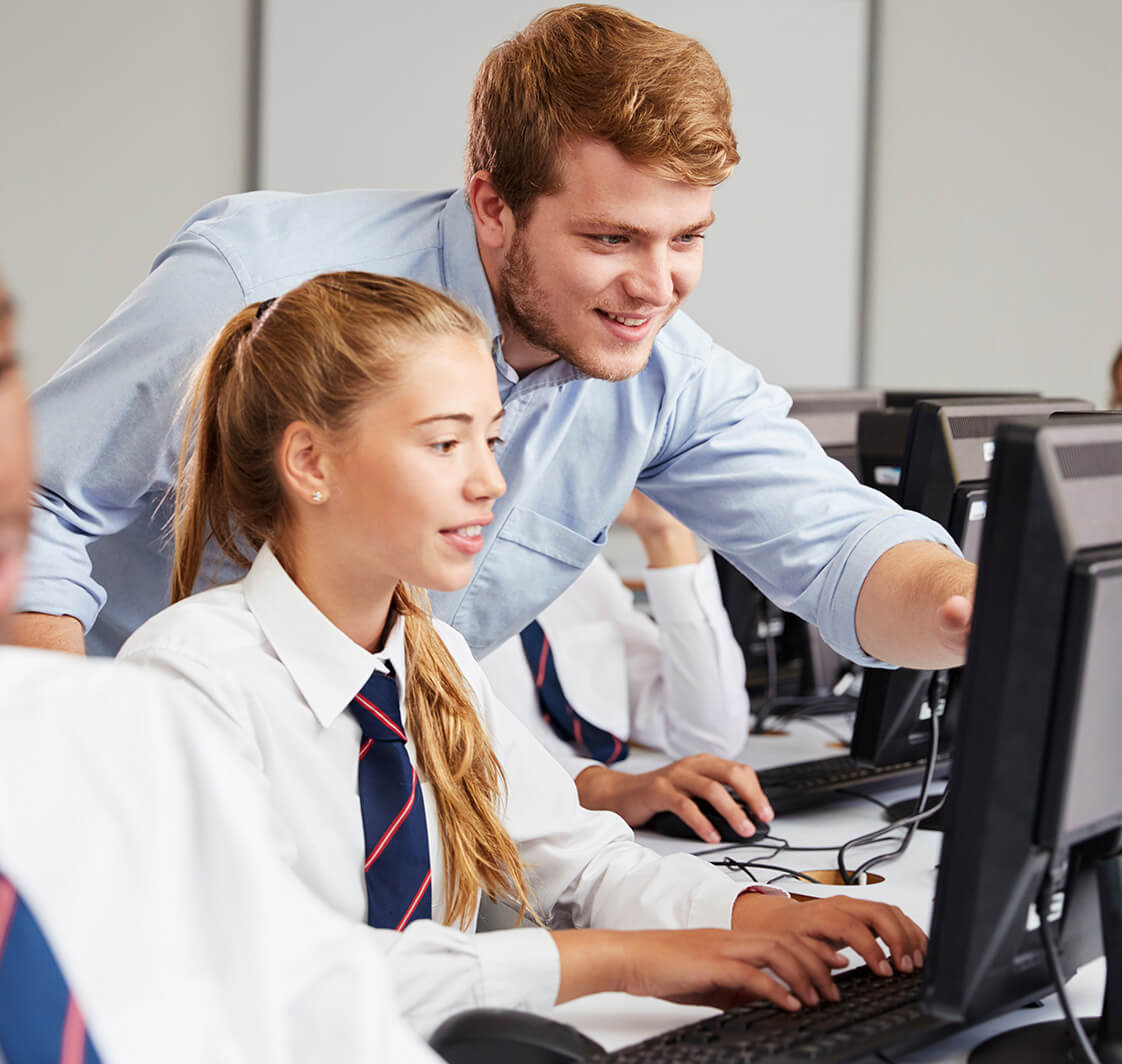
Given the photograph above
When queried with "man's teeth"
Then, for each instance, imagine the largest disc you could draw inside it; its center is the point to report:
(625, 321)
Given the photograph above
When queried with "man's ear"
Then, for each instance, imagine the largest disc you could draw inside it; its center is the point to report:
(303, 463)
(494, 220)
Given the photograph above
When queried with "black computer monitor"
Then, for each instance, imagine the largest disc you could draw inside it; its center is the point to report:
(945, 470)
(882, 435)
(1034, 822)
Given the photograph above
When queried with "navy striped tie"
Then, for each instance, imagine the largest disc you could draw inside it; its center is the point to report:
(584, 736)
(40, 1022)
(397, 868)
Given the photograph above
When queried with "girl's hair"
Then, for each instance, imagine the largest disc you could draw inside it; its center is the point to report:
(316, 354)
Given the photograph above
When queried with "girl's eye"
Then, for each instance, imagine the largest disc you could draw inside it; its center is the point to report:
(444, 446)
(494, 441)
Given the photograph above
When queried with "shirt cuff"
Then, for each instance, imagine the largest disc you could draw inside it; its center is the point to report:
(521, 968)
(903, 527)
(683, 594)
(712, 903)
(765, 888)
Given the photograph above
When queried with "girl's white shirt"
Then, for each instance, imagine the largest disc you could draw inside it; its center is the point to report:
(281, 676)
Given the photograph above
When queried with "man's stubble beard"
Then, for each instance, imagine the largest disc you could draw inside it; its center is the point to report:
(520, 306)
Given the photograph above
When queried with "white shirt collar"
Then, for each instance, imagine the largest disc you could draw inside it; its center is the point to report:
(326, 665)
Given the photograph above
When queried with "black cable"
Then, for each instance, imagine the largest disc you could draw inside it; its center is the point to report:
(750, 867)
(936, 698)
(1075, 1028)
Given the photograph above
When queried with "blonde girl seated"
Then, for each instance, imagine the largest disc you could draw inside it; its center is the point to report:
(340, 443)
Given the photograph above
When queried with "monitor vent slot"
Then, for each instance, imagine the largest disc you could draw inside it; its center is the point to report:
(1080, 460)
(975, 426)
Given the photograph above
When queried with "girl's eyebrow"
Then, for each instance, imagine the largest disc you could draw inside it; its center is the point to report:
(467, 418)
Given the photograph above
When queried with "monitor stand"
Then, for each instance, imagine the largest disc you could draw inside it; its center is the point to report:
(1052, 1041)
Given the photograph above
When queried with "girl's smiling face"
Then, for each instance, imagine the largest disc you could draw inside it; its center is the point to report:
(409, 487)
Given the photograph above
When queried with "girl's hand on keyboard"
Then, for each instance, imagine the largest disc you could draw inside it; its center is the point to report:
(840, 921)
(701, 967)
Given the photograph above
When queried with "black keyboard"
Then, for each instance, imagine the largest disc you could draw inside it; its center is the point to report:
(806, 783)
(875, 1014)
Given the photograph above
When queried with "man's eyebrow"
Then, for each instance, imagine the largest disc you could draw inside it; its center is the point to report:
(613, 225)
(465, 418)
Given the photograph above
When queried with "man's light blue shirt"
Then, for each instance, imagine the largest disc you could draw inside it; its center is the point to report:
(698, 430)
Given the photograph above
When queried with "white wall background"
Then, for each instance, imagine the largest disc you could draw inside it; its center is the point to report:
(119, 119)
(997, 251)
(361, 93)
(997, 211)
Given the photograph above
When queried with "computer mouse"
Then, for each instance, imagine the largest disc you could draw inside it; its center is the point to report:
(491, 1036)
(667, 823)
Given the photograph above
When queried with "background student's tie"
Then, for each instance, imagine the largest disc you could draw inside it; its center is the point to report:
(40, 1022)
(584, 736)
(397, 868)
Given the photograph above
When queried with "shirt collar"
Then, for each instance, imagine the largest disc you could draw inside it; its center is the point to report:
(326, 665)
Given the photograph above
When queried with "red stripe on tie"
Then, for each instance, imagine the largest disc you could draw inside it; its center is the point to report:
(367, 704)
(7, 911)
(540, 678)
(365, 748)
(73, 1035)
(416, 901)
(616, 748)
(398, 820)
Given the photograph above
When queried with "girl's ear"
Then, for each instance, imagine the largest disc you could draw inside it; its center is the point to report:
(304, 463)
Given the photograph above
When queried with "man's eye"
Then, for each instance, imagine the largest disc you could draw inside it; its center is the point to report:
(612, 239)
(691, 238)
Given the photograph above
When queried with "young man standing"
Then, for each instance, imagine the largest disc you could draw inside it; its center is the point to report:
(595, 142)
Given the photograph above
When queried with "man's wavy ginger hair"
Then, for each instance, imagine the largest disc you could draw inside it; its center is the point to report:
(599, 72)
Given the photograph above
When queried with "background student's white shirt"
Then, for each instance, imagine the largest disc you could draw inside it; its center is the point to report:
(141, 842)
(283, 676)
(676, 685)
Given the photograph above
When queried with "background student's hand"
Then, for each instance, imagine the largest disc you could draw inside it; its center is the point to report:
(839, 921)
(702, 967)
(637, 797)
(666, 541)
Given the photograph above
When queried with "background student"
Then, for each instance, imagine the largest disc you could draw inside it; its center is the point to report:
(144, 911)
(595, 141)
(597, 673)
(345, 432)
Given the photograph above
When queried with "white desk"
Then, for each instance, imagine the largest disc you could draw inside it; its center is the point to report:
(616, 1020)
